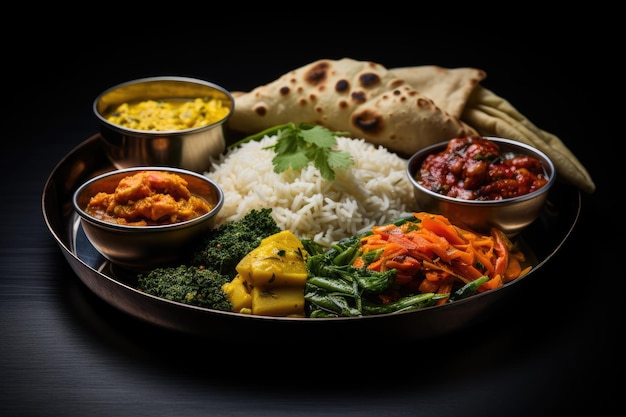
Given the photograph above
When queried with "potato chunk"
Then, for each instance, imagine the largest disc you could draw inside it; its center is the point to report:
(271, 278)
(277, 262)
(278, 302)
(238, 294)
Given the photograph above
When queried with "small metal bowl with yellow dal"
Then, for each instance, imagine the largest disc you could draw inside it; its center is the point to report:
(170, 121)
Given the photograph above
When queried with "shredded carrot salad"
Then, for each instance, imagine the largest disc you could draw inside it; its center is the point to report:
(431, 255)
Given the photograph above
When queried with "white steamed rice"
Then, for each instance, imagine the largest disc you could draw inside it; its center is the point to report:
(375, 190)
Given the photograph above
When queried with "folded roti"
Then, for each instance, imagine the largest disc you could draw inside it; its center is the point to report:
(360, 97)
(450, 88)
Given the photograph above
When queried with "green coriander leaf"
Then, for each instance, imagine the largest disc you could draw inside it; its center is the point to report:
(321, 163)
(337, 159)
(286, 142)
(294, 161)
(297, 146)
(319, 136)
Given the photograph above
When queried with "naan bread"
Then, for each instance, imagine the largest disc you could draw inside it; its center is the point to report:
(360, 97)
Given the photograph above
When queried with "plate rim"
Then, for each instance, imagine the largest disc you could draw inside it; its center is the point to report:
(121, 295)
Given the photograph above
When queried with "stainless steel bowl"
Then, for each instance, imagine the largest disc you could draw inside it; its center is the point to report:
(188, 149)
(141, 248)
(511, 215)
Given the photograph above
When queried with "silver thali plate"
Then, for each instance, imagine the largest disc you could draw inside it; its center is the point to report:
(543, 239)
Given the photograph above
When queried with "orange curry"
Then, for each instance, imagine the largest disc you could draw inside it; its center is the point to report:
(148, 198)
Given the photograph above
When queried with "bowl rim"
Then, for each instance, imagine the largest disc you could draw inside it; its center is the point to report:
(412, 165)
(148, 228)
(175, 78)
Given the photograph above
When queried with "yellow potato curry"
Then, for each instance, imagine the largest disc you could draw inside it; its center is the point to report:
(148, 198)
(270, 279)
(165, 115)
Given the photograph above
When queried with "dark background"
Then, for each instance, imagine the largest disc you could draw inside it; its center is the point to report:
(63, 351)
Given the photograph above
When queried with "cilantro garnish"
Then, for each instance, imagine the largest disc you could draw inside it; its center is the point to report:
(298, 145)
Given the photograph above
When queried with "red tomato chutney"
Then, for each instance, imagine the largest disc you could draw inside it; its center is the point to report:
(473, 168)
(148, 198)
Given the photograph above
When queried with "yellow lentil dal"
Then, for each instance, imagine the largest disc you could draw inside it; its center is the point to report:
(161, 115)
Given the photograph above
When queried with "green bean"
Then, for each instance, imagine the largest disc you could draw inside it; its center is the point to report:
(405, 303)
(372, 256)
(312, 247)
(468, 289)
(375, 282)
(331, 302)
(318, 313)
(347, 256)
(332, 285)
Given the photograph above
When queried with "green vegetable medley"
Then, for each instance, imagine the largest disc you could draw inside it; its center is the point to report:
(188, 285)
(334, 287)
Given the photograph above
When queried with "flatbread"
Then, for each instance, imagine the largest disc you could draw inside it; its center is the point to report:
(360, 97)
(450, 88)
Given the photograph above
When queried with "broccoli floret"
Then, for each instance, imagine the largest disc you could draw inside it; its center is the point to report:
(187, 284)
(223, 247)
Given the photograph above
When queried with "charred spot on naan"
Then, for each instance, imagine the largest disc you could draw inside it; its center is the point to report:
(260, 109)
(395, 83)
(358, 97)
(318, 73)
(368, 121)
(342, 86)
(425, 103)
(369, 80)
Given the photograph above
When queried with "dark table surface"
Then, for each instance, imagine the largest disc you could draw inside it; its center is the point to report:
(551, 348)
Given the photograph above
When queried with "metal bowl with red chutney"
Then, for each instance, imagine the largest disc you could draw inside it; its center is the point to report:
(482, 182)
